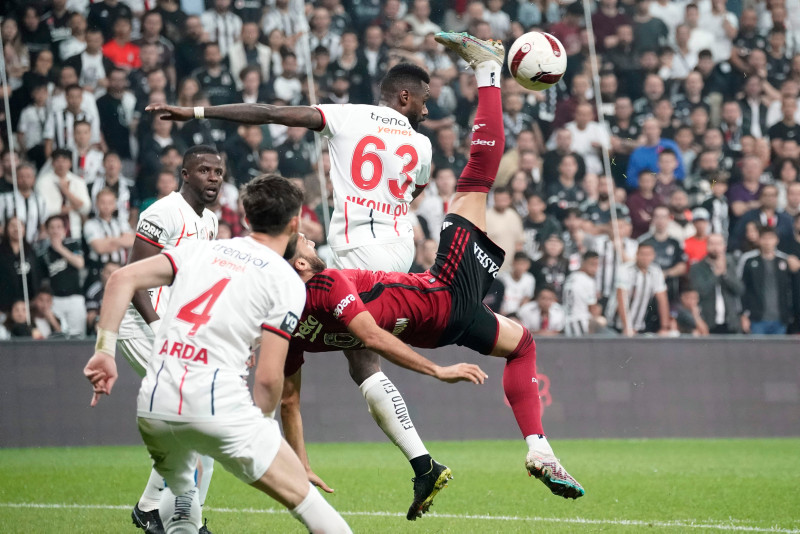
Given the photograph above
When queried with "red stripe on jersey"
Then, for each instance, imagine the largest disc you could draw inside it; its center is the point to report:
(275, 331)
(172, 262)
(159, 245)
(158, 299)
(346, 236)
(324, 120)
(182, 230)
(180, 388)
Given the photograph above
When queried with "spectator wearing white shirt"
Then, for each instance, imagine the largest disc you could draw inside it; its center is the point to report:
(91, 66)
(519, 284)
(543, 316)
(281, 17)
(498, 19)
(699, 38)
(669, 12)
(87, 161)
(31, 125)
(321, 34)
(59, 129)
(248, 51)
(588, 137)
(109, 238)
(222, 26)
(64, 193)
(436, 200)
(122, 187)
(580, 298)
(723, 27)
(25, 204)
(419, 19)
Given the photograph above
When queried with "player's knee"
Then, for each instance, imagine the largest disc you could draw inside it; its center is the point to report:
(362, 364)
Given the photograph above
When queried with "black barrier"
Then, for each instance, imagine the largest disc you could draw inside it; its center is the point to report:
(591, 388)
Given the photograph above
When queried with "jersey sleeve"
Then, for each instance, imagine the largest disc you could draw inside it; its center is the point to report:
(424, 174)
(337, 295)
(334, 117)
(154, 227)
(659, 284)
(288, 297)
(180, 255)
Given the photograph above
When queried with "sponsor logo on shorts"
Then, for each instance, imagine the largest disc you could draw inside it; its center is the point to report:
(150, 230)
(345, 302)
(289, 323)
(486, 261)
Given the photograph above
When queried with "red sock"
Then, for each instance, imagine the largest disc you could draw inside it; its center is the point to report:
(488, 143)
(522, 388)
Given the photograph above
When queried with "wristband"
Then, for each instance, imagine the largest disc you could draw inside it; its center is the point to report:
(106, 342)
(155, 325)
(199, 112)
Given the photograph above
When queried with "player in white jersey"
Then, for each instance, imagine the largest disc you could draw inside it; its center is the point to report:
(175, 220)
(226, 296)
(580, 297)
(379, 164)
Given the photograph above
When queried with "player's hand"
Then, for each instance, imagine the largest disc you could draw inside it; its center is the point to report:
(461, 372)
(170, 113)
(101, 370)
(317, 481)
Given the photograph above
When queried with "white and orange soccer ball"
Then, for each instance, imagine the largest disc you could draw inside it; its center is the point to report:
(537, 60)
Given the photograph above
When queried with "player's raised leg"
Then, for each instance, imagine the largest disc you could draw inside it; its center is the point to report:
(515, 343)
(488, 135)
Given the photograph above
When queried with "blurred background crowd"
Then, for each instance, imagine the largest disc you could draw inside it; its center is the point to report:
(691, 227)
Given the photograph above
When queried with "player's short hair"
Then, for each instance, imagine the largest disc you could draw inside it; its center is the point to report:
(195, 151)
(270, 201)
(404, 76)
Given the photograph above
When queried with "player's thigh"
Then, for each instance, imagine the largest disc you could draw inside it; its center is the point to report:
(285, 480)
(245, 447)
(137, 351)
(172, 457)
(389, 257)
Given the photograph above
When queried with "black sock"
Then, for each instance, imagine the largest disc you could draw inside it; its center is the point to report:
(421, 464)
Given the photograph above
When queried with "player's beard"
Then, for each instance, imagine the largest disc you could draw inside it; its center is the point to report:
(291, 248)
(315, 263)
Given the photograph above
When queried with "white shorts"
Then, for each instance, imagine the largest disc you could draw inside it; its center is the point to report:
(245, 448)
(390, 257)
(137, 351)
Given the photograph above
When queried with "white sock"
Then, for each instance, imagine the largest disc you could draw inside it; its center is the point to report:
(390, 412)
(205, 478)
(488, 74)
(538, 443)
(318, 516)
(152, 492)
(180, 514)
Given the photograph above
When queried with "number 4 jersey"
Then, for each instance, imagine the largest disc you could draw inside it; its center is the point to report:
(223, 295)
(377, 161)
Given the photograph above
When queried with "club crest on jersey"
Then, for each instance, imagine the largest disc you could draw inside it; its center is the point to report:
(150, 230)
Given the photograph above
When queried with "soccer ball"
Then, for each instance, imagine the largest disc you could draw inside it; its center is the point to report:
(537, 60)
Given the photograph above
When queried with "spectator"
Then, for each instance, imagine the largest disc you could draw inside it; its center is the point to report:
(76, 42)
(249, 52)
(103, 16)
(612, 254)
(150, 160)
(152, 27)
(59, 129)
(649, 34)
(295, 154)
(108, 238)
(25, 203)
(446, 155)
(321, 34)
(645, 106)
(646, 157)
(287, 86)
(243, 157)
(166, 183)
(64, 193)
(588, 137)
(696, 245)
(31, 126)
(44, 318)
(214, 79)
(252, 88)
(624, 137)
(753, 107)
(552, 159)
(16, 324)
(583, 312)
(669, 255)
(687, 318)
(222, 26)
(504, 225)
(87, 161)
(419, 19)
(605, 21)
(792, 202)
(94, 296)
(638, 283)
(787, 129)
(598, 215)
(537, 226)
(436, 201)
(642, 202)
(122, 187)
(518, 283)
(120, 50)
(680, 227)
(552, 268)
(91, 66)
(543, 316)
(718, 287)
(767, 298)
(62, 261)
(565, 193)
(722, 25)
(786, 173)
(116, 110)
(189, 51)
(281, 17)
(13, 267)
(765, 215)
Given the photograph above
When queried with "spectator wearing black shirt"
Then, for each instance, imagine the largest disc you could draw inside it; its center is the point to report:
(150, 161)
(61, 262)
(12, 268)
(116, 110)
(295, 154)
(718, 287)
(778, 64)
(108, 238)
(669, 252)
(787, 129)
(35, 35)
(624, 137)
(214, 79)
(537, 226)
(446, 155)
(243, 156)
(189, 50)
(649, 33)
(552, 159)
(174, 19)
(56, 20)
(690, 97)
(103, 15)
(552, 268)
(565, 193)
(754, 110)
(767, 215)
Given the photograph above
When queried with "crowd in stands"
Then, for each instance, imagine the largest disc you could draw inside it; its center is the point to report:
(691, 227)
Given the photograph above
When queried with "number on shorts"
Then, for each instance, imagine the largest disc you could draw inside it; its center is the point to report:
(363, 155)
(197, 312)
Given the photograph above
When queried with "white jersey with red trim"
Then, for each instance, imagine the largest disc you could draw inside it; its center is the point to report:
(167, 224)
(223, 295)
(377, 161)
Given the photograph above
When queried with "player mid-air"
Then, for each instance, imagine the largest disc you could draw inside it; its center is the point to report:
(439, 307)
(379, 163)
(193, 400)
(175, 220)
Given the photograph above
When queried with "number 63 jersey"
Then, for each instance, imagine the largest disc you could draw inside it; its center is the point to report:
(377, 161)
(223, 295)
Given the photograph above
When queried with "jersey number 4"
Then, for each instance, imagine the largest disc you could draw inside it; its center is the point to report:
(397, 186)
(197, 312)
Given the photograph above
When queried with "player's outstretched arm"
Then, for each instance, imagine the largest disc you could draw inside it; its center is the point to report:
(101, 370)
(303, 116)
(292, 422)
(364, 327)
